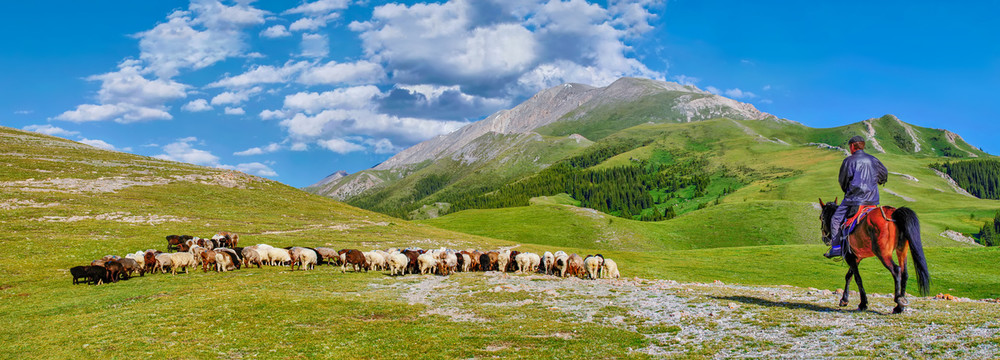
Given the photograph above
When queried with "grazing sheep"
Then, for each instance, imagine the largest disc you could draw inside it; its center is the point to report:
(328, 254)
(163, 262)
(447, 263)
(150, 259)
(574, 265)
(208, 258)
(593, 264)
(96, 274)
(181, 260)
(115, 270)
(511, 263)
(397, 264)
(523, 261)
(411, 256)
(355, 258)
(131, 267)
(252, 256)
(226, 239)
(465, 261)
(535, 260)
(427, 263)
(502, 259)
(375, 260)
(610, 269)
(303, 257)
(223, 261)
(559, 263)
(234, 261)
(196, 251)
(80, 272)
(278, 256)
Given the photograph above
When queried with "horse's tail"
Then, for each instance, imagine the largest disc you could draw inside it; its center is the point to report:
(909, 227)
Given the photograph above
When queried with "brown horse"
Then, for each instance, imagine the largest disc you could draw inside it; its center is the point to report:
(883, 232)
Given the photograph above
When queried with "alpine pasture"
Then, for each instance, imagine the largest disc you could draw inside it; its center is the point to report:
(689, 288)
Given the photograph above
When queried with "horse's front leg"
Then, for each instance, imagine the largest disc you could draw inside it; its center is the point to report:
(861, 288)
(847, 286)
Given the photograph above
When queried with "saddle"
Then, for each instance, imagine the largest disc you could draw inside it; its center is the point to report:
(859, 215)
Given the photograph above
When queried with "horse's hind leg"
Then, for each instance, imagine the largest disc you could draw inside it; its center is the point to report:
(899, 293)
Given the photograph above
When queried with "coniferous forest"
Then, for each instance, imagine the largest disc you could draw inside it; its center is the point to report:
(981, 178)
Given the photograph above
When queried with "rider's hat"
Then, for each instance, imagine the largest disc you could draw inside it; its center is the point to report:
(855, 139)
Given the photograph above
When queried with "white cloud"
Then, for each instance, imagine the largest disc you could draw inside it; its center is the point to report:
(311, 23)
(101, 144)
(270, 148)
(127, 96)
(50, 130)
(686, 80)
(766, 87)
(234, 97)
(122, 113)
(299, 146)
(343, 98)
(340, 123)
(713, 89)
(383, 146)
(234, 111)
(315, 45)
(340, 146)
(208, 32)
(196, 106)
(736, 93)
(333, 73)
(276, 31)
(183, 152)
(262, 74)
(23, 112)
(272, 114)
(318, 7)
(254, 168)
(508, 49)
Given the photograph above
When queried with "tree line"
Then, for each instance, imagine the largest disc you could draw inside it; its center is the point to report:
(981, 178)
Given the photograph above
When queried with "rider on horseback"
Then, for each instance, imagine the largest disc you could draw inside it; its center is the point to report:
(860, 175)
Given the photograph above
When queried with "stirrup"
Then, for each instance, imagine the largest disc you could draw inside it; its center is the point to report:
(830, 255)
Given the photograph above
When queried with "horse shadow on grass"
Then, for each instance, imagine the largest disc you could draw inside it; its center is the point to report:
(750, 300)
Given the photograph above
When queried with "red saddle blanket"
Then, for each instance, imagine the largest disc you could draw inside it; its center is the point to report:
(863, 210)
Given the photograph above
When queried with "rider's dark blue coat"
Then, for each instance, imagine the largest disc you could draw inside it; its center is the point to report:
(860, 175)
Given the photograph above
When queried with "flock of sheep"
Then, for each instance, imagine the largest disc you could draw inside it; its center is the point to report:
(221, 253)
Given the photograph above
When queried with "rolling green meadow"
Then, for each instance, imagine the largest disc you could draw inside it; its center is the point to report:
(742, 276)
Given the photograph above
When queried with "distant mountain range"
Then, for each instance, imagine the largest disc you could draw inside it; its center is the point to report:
(576, 120)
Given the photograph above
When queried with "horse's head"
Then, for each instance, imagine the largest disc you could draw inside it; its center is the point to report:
(824, 217)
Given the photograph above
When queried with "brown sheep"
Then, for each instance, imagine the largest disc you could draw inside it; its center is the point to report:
(115, 270)
(356, 258)
(574, 265)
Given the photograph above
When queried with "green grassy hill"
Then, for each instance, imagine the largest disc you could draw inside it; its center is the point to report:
(65, 204)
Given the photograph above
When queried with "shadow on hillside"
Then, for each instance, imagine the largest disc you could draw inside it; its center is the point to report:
(789, 304)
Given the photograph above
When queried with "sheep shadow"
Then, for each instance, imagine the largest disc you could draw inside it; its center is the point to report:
(793, 305)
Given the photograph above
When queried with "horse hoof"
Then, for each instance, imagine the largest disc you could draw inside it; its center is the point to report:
(862, 307)
(843, 303)
(902, 301)
(897, 310)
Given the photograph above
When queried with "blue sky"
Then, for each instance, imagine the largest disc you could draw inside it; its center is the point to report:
(295, 90)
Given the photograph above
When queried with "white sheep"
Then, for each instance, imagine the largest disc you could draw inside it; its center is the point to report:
(375, 260)
(466, 261)
(535, 260)
(503, 260)
(547, 260)
(592, 264)
(610, 269)
(427, 263)
(181, 260)
(162, 262)
(561, 263)
(278, 256)
(303, 257)
(397, 263)
(523, 261)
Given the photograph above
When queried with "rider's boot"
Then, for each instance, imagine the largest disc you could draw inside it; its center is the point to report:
(835, 249)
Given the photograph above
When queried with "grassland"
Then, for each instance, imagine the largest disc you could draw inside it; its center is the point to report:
(65, 204)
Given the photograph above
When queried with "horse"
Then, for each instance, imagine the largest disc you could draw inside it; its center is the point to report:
(884, 231)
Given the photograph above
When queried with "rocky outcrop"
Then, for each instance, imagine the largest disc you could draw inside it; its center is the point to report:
(329, 179)
(559, 102)
(952, 139)
(870, 135)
